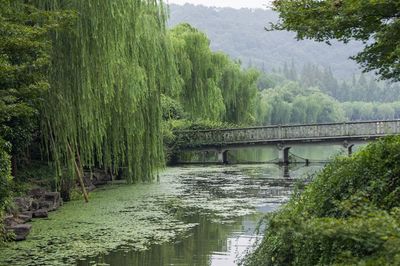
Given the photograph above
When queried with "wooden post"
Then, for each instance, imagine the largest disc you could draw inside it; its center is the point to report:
(80, 174)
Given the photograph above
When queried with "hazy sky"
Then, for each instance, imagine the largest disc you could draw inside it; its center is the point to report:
(224, 3)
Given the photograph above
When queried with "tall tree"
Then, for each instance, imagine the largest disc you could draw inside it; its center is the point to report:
(200, 95)
(374, 22)
(239, 89)
(24, 63)
(103, 108)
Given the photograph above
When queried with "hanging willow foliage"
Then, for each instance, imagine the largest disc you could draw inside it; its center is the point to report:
(200, 95)
(239, 89)
(214, 87)
(106, 80)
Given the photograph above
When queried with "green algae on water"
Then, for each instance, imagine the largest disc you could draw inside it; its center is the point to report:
(132, 217)
(126, 218)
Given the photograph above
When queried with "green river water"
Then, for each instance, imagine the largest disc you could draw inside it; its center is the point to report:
(195, 215)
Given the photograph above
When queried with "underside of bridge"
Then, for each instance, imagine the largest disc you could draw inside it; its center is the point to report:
(283, 154)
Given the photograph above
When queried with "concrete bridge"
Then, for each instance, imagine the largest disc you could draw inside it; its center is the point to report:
(283, 136)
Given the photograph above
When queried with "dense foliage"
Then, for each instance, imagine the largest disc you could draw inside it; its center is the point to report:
(376, 23)
(362, 87)
(371, 111)
(315, 95)
(5, 179)
(289, 103)
(24, 63)
(197, 71)
(239, 90)
(349, 215)
(211, 83)
(103, 108)
(211, 90)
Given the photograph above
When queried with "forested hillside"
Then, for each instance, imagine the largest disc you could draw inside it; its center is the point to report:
(241, 34)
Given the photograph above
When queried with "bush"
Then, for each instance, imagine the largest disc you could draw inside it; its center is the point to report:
(349, 215)
(171, 140)
(5, 179)
(171, 109)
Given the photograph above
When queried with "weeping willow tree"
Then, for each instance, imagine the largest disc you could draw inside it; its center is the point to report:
(239, 89)
(200, 95)
(103, 107)
(214, 87)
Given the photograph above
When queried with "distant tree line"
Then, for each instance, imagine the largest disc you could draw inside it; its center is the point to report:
(314, 95)
(364, 87)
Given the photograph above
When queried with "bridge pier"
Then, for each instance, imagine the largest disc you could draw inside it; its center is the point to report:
(350, 149)
(284, 155)
(286, 171)
(222, 156)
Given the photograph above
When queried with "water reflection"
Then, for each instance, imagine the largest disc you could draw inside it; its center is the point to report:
(209, 244)
(217, 242)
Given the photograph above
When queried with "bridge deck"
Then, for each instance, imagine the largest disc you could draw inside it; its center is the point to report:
(284, 134)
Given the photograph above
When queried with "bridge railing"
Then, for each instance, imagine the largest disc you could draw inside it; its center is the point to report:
(289, 132)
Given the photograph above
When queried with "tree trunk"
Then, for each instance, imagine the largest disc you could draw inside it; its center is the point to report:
(13, 165)
(80, 174)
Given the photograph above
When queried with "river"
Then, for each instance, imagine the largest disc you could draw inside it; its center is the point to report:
(195, 215)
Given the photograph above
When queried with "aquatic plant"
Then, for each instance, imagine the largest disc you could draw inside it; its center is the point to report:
(118, 216)
(129, 218)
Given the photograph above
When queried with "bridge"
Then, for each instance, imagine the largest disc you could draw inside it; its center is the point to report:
(283, 136)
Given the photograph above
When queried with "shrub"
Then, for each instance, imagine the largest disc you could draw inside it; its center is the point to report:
(349, 215)
(5, 179)
(171, 140)
(171, 109)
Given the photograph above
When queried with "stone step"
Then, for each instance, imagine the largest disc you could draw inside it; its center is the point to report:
(21, 231)
(41, 213)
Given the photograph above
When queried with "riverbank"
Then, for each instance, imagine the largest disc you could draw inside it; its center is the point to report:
(349, 215)
(37, 203)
